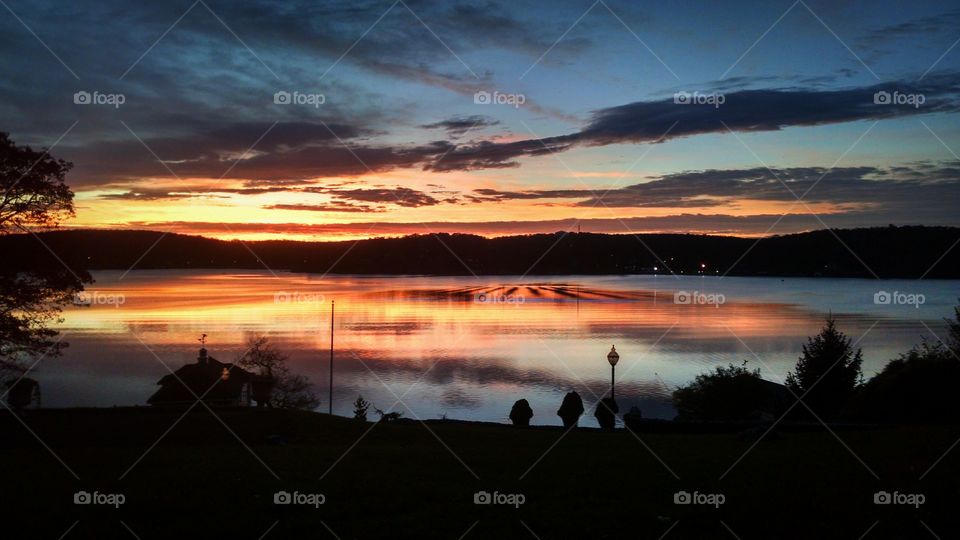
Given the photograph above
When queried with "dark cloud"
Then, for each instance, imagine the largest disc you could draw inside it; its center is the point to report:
(925, 184)
(199, 100)
(311, 149)
(334, 206)
(257, 148)
(253, 190)
(496, 195)
(458, 125)
(400, 196)
(743, 110)
(493, 155)
(342, 199)
(761, 110)
(201, 74)
(146, 195)
(106, 162)
(895, 188)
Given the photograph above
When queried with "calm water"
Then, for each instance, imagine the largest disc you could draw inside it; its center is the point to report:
(468, 348)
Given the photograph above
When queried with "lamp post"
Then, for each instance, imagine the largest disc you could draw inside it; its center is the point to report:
(330, 406)
(613, 357)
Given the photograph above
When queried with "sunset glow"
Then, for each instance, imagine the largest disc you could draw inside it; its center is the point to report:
(461, 122)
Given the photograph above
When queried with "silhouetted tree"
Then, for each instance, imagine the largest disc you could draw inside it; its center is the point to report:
(288, 390)
(571, 409)
(815, 253)
(521, 413)
(33, 195)
(828, 372)
(388, 416)
(294, 392)
(953, 331)
(728, 394)
(360, 407)
(262, 357)
(606, 413)
(918, 387)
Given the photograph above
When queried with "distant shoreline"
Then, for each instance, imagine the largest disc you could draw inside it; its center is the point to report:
(551, 277)
(913, 252)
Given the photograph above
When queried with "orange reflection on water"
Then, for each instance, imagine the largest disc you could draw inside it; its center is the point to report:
(459, 344)
(416, 317)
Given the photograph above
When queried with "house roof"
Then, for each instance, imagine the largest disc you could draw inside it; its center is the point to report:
(204, 378)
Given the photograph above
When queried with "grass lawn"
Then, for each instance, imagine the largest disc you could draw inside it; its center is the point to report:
(410, 480)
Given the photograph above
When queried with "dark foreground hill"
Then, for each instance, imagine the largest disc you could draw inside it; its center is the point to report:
(889, 252)
(207, 479)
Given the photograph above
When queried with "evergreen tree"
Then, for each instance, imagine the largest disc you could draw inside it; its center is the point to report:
(828, 372)
(360, 407)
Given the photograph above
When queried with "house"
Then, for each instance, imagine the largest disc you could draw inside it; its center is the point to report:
(217, 383)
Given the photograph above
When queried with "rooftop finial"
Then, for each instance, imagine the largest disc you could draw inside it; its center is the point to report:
(203, 349)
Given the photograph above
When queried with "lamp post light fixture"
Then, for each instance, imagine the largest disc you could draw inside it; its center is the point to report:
(613, 357)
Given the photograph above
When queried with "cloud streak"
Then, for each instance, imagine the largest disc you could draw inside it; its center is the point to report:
(741, 111)
(306, 150)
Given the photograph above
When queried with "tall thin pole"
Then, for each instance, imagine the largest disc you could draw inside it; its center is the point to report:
(330, 406)
(613, 369)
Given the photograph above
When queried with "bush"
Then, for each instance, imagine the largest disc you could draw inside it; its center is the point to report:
(521, 413)
(606, 413)
(729, 394)
(919, 387)
(570, 409)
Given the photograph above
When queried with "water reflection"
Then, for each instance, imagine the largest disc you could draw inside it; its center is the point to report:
(469, 347)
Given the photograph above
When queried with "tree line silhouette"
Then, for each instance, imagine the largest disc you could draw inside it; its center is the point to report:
(918, 387)
(889, 252)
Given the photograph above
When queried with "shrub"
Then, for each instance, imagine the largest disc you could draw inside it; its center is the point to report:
(729, 394)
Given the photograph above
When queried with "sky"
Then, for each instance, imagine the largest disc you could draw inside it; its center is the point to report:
(315, 120)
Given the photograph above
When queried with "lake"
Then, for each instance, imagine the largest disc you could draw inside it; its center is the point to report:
(467, 348)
